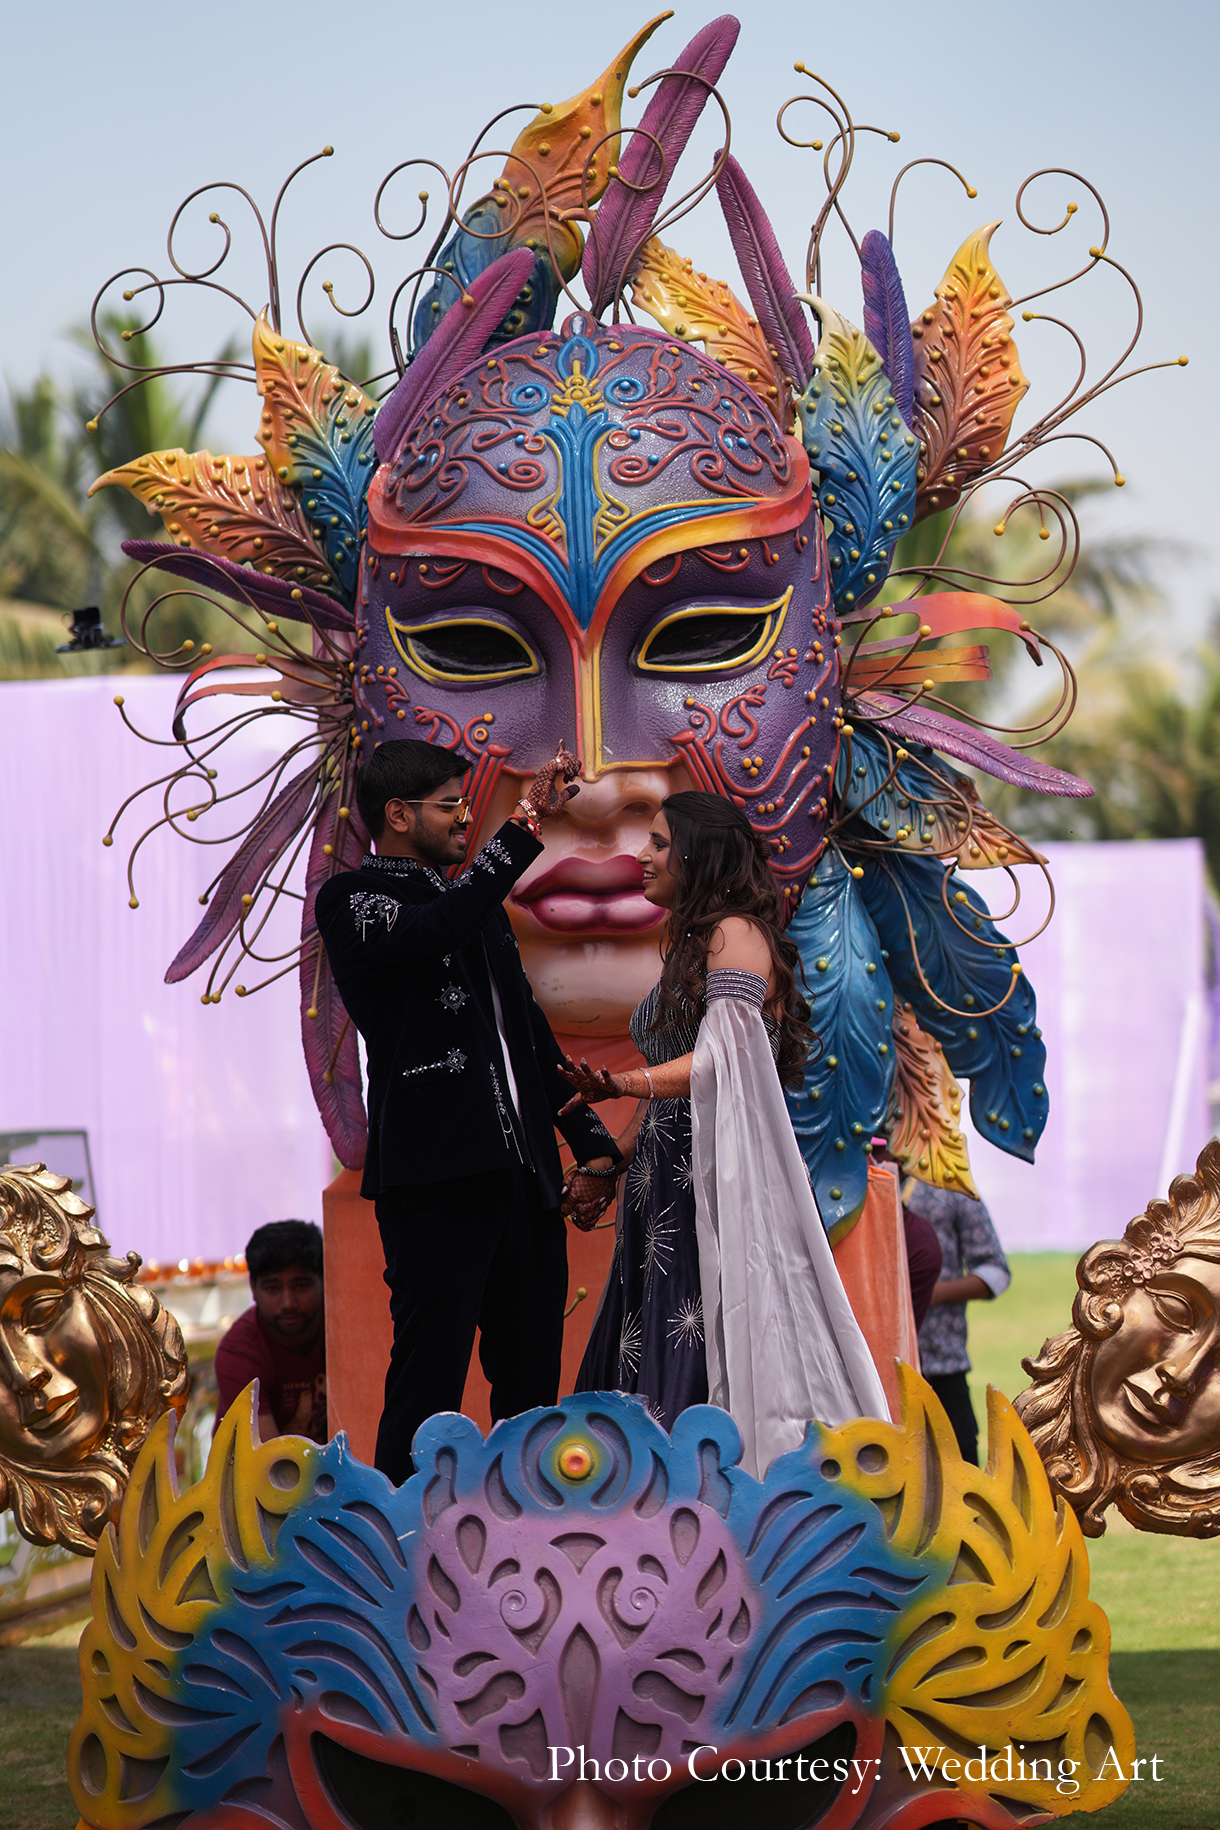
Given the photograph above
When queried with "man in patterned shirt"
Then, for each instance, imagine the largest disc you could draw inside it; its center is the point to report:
(973, 1266)
(464, 1091)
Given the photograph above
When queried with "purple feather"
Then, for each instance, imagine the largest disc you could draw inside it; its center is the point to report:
(243, 584)
(271, 833)
(919, 724)
(457, 342)
(887, 322)
(329, 1038)
(771, 291)
(624, 218)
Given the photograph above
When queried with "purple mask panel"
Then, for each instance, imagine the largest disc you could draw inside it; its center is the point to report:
(602, 535)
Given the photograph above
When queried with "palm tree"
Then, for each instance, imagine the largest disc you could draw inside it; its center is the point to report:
(61, 549)
(1147, 738)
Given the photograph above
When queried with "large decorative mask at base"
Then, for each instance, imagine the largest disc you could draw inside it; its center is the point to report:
(88, 1362)
(1125, 1407)
(293, 1641)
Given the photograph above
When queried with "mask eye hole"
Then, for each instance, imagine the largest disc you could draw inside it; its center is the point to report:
(465, 648)
(712, 638)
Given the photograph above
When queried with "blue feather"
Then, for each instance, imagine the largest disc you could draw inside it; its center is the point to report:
(864, 459)
(466, 256)
(846, 1088)
(1001, 1054)
(887, 322)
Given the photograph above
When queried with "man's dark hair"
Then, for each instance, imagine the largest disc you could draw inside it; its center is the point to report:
(402, 770)
(274, 1247)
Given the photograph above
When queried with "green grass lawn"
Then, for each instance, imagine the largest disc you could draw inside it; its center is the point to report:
(39, 1703)
(1162, 1596)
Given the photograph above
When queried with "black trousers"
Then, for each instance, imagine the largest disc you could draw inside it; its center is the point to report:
(953, 1390)
(478, 1251)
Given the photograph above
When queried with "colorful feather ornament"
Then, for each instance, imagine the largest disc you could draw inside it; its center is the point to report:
(912, 802)
(968, 379)
(624, 218)
(846, 1090)
(873, 667)
(558, 166)
(463, 333)
(328, 1035)
(247, 872)
(923, 1120)
(689, 305)
(863, 457)
(317, 430)
(234, 508)
(274, 596)
(921, 724)
(886, 319)
(771, 291)
(296, 513)
(946, 958)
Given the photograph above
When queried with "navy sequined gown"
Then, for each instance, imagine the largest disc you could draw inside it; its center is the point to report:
(648, 1335)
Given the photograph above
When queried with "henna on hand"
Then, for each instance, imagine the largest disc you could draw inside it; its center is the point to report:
(544, 796)
(591, 1084)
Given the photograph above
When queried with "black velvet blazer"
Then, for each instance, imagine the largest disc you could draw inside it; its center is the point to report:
(411, 954)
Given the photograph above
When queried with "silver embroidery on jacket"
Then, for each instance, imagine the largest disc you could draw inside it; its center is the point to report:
(493, 850)
(506, 1123)
(455, 1061)
(453, 997)
(368, 906)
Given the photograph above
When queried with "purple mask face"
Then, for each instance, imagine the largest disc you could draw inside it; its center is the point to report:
(601, 536)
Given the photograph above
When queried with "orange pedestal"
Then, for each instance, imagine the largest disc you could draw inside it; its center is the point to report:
(872, 1263)
(358, 1331)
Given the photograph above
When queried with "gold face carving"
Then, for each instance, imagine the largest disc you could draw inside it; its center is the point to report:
(1125, 1407)
(88, 1362)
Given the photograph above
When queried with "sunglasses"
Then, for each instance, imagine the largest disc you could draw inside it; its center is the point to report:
(458, 810)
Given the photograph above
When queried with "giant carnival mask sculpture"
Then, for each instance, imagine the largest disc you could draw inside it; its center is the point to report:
(670, 555)
(1125, 1406)
(88, 1362)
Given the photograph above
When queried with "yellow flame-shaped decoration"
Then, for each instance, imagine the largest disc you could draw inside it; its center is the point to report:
(156, 1581)
(1009, 1654)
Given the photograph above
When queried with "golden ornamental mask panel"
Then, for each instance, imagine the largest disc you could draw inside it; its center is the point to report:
(88, 1361)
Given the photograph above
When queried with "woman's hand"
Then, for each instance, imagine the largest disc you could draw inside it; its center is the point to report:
(592, 1084)
(553, 786)
(586, 1197)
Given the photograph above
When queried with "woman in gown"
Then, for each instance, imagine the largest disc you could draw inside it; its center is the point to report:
(723, 1285)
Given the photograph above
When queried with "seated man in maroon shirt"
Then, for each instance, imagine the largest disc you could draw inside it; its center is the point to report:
(281, 1341)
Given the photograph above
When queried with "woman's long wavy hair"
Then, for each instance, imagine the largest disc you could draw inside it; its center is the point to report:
(722, 868)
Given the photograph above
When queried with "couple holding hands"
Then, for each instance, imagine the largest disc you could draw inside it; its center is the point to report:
(723, 1287)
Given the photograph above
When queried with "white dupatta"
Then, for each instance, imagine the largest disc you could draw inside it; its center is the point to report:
(783, 1346)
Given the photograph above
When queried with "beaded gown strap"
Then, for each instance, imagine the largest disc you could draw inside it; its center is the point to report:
(727, 982)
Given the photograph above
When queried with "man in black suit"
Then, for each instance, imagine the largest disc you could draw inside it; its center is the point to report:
(464, 1092)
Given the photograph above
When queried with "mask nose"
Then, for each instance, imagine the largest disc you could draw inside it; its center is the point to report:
(605, 797)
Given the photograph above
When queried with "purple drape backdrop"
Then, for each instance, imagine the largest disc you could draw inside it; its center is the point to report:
(201, 1123)
(1122, 1002)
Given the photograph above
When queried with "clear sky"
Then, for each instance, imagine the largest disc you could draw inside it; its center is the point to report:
(112, 116)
